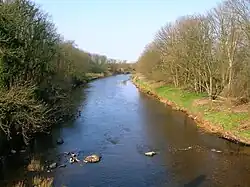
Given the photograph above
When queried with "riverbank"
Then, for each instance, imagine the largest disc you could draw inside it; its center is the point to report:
(219, 116)
(94, 76)
(67, 110)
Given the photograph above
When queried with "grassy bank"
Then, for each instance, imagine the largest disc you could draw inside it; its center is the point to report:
(219, 116)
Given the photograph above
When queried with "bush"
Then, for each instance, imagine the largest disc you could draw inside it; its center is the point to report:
(21, 113)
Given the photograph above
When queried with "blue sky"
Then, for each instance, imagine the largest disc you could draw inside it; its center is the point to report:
(117, 28)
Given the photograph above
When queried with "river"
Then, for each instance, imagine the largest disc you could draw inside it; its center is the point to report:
(121, 123)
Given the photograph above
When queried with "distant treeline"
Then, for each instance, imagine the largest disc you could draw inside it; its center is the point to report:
(207, 53)
(39, 69)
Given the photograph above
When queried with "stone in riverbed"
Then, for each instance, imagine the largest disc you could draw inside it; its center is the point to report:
(186, 149)
(59, 141)
(73, 158)
(66, 153)
(13, 151)
(151, 153)
(92, 159)
(62, 166)
(217, 151)
(53, 165)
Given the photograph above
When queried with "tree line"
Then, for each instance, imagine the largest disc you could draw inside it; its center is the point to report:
(39, 70)
(205, 53)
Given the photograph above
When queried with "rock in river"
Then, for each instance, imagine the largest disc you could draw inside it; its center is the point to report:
(62, 166)
(53, 165)
(186, 149)
(92, 159)
(151, 153)
(73, 158)
(59, 141)
(13, 151)
(217, 151)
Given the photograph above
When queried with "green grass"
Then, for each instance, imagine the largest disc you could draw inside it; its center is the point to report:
(181, 98)
(184, 99)
(229, 121)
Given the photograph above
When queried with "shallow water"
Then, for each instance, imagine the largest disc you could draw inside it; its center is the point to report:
(120, 123)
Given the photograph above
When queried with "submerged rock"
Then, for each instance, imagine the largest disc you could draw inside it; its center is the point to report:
(92, 159)
(151, 153)
(59, 141)
(186, 149)
(217, 151)
(62, 166)
(66, 153)
(22, 151)
(13, 151)
(53, 165)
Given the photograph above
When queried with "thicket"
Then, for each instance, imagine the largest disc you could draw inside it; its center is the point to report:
(208, 53)
(38, 70)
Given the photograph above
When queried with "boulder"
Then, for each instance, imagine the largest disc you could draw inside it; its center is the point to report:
(92, 159)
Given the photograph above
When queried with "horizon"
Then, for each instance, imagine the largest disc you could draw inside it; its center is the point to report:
(118, 30)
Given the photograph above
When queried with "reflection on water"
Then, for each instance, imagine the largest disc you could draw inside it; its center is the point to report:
(121, 124)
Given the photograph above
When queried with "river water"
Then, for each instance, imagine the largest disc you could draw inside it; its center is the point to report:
(121, 123)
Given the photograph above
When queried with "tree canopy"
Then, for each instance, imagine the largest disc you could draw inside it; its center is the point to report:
(203, 53)
(39, 69)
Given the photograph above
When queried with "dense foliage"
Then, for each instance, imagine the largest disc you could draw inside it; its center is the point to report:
(204, 53)
(38, 69)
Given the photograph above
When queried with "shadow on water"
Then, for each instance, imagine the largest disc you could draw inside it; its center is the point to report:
(196, 182)
(44, 148)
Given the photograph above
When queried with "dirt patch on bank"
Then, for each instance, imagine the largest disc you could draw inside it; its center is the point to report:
(244, 125)
(201, 102)
(241, 108)
(222, 105)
